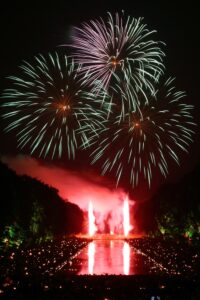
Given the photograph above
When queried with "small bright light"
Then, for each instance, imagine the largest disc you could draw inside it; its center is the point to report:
(114, 62)
(64, 107)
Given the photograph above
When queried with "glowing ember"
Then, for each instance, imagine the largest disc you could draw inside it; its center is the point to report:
(126, 258)
(91, 218)
(126, 222)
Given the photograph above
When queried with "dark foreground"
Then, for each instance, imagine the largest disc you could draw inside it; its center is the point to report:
(45, 272)
(139, 287)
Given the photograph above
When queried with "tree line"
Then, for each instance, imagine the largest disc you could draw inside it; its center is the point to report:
(32, 212)
(177, 207)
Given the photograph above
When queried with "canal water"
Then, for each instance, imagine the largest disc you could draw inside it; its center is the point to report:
(112, 257)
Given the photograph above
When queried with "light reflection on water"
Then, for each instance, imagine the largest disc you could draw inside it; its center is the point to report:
(91, 254)
(126, 257)
(113, 257)
(106, 257)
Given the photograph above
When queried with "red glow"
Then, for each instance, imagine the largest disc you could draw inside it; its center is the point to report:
(114, 61)
(126, 258)
(62, 107)
(91, 253)
(107, 202)
(126, 221)
(91, 219)
(106, 257)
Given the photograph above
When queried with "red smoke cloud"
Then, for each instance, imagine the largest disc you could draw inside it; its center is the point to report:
(77, 187)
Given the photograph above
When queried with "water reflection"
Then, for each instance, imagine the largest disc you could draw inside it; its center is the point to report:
(126, 258)
(112, 257)
(106, 257)
(91, 253)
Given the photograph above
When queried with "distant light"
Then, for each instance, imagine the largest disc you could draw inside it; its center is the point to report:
(114, 62)
(65, 107)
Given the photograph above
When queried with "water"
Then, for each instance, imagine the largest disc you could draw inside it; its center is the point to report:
(111, 257)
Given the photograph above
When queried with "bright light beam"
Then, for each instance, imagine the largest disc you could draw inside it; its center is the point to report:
(91, 253)
(91, 218)
(126, 258)
(126, 221)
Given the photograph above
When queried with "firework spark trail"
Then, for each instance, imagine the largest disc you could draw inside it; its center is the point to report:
(119, 48)
(48, 109)
(134, 143)
(134, 127)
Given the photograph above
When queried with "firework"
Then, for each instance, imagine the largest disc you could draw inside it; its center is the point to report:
(48, 109)
(118, 49)
(136, 142)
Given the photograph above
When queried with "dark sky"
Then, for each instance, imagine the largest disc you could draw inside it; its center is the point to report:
(27, 30)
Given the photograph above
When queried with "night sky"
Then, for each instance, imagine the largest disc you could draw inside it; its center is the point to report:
(31, 29)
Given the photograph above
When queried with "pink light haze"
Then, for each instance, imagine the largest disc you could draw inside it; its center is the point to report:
(79, 187)
(91, 219)
(107, 257)
(126, 219)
